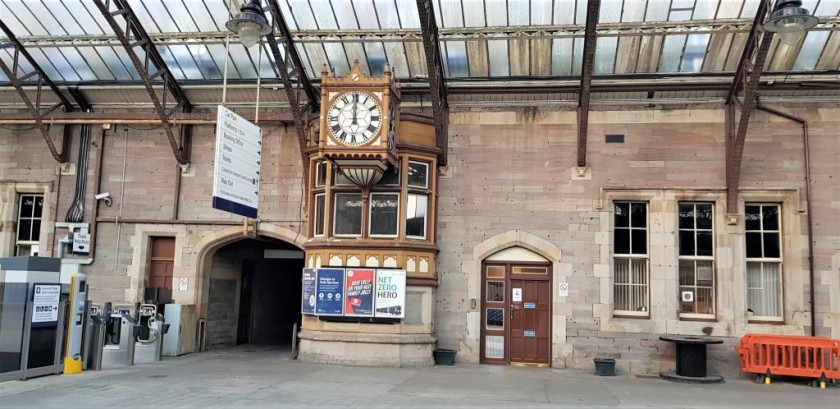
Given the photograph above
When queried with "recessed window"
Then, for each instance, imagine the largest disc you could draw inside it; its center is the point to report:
(495, 291)
(530, 270)
(630, 272)
(418, 175)
(384, 213)
(347, 220)
(415, 217)
(764, 262)
(340, 180)
(30, 212)
(495, 318)
(320, 206)
(696, 260)
(321, 174)
(391, 177)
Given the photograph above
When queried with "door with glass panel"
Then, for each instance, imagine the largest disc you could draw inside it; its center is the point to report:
(516, 314)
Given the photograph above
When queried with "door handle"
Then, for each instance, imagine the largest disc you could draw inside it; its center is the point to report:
(511, 312)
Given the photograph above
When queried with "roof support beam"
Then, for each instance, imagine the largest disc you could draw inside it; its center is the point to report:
(749, 50)
(131, 35)
(290, 67)
(735, 143)
(437, 81)
(592, 10)
(36, 111)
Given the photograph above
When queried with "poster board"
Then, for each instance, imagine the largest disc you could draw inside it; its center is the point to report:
(358, 292)
(330, 292)
(390, 293)
(308, 294)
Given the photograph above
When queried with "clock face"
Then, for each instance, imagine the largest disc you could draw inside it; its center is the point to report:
(354, 118)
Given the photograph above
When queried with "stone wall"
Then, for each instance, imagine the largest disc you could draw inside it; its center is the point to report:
(668, 156)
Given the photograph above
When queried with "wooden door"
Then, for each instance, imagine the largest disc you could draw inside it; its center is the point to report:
(530, 321)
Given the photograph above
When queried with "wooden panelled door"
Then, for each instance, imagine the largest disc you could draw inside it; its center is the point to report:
(516, 314)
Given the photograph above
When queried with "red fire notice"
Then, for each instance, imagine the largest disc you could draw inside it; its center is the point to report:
(358, 294)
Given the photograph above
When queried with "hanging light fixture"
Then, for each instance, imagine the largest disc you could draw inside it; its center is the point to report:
(250, 24)
(790, 21)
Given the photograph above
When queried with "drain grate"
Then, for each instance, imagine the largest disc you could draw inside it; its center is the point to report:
(158, 376)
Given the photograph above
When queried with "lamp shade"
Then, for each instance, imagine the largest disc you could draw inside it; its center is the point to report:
(363, 173)
(790, 21)
(250, 24)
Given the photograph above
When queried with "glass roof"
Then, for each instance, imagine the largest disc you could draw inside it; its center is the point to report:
(73, 43)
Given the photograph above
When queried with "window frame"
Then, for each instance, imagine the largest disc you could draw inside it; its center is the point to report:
(766, 260)
(408, 175)
(631, 257)
(694, 259)
(370, 215)
(335, 211)
(316, 221)
(425, 217)
(19, 216)
(321, 173)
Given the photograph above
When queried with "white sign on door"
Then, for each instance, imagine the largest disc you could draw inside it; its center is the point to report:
(45, 304)
(517, 295)
(564, 289)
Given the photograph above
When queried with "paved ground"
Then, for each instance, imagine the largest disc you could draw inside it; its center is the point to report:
(255, 378)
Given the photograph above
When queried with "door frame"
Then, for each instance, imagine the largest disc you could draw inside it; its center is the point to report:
(508, 265)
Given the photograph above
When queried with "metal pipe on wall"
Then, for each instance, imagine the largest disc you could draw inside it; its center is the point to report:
(96, 186)
(808, 212)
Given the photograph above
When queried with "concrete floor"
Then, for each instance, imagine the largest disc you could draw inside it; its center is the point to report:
(248, 377)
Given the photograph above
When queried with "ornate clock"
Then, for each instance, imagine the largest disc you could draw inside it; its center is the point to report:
(354, 118)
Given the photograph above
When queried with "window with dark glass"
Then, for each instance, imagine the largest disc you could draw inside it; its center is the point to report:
(696, 260)
(391, 177)
(415, 216)
(418, 175)
(321, 174)
(764, 261)
(347, 219)
(630, 272)
(384, 213)
(319, 214)
(30, 212)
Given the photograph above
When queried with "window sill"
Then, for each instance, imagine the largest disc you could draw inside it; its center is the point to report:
(630, 315)
(698, 318)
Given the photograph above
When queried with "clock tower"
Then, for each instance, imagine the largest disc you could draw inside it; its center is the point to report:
(358, 123)
(372, 189)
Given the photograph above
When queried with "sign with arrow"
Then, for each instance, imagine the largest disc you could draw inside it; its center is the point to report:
(236, 178)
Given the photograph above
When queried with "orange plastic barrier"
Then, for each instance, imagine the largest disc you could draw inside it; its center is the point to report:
(790, 355)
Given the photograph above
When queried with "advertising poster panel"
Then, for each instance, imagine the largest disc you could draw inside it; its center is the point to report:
(358, 293)
(307, 302)
(390, 293)
(329, 297)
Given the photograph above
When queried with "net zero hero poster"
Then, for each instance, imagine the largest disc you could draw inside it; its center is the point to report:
(390, 293)
(329, 291)
(358, 294)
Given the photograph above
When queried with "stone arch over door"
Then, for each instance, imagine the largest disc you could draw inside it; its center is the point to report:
(513, 238)
(207, 246)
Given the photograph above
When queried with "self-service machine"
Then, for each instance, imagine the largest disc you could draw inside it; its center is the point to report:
(75, 324)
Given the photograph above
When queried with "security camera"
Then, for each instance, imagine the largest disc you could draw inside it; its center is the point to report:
(105, 196)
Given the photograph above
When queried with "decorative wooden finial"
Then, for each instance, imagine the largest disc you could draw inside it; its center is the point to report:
(324, 70)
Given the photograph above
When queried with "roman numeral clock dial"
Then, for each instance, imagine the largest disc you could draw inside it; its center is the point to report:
(354, 118)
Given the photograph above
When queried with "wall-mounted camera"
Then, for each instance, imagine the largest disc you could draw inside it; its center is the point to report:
(105, 196)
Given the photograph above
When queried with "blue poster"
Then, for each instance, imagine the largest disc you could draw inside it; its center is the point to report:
(330, 291)
(307, 302)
